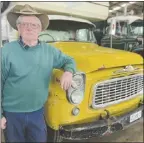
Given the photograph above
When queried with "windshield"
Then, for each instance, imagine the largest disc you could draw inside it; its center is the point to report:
(136, 28)
(120, 29)
(62, 30)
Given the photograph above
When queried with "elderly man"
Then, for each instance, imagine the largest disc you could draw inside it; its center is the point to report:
(27, 66)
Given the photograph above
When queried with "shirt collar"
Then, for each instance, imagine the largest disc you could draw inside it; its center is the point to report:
(23, 44)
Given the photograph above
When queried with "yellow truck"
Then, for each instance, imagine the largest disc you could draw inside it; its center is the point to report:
(107, 90)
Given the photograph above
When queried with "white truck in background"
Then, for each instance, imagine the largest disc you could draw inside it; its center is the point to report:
(93, 11)
(87, 10)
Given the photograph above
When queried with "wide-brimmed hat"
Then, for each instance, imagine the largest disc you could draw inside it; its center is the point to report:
(13, 15)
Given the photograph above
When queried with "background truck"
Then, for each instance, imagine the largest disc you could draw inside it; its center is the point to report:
(127, 33)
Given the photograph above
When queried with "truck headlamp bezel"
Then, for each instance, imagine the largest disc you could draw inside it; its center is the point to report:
(77, 89)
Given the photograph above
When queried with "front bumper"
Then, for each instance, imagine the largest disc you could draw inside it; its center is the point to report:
(99, 128)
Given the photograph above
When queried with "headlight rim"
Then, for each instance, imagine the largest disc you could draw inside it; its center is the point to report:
(70, 98)
(73, 81)
(81, 88)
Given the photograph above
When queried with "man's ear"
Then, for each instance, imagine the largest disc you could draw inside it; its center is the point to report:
(18, 29)
(40, 29)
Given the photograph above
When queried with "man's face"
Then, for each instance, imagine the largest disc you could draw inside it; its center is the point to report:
(29, 28)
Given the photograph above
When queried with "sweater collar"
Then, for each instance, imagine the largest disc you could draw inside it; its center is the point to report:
(23, 44)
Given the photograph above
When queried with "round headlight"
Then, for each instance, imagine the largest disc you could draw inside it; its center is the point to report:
(76, 97)
(77, 81)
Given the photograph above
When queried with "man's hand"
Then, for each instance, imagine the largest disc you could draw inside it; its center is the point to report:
(66, 80)
(3, 123)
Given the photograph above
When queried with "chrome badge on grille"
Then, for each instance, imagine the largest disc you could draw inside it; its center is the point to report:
(125, 69)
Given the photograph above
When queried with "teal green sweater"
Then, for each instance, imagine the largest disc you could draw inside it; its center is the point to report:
(26, 74)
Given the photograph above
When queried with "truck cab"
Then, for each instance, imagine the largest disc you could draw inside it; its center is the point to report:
(127, 35)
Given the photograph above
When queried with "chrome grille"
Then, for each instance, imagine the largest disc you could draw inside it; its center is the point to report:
(116, 90)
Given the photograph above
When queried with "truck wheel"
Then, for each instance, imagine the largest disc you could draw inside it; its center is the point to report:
(53, 135)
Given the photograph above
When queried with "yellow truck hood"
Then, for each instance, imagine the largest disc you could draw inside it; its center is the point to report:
(90, 57)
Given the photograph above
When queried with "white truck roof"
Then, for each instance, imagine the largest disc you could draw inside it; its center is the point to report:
(70, 18)
(129, 18)
(93, 11)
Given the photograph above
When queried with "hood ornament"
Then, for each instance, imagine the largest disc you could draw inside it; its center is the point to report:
(128, 68)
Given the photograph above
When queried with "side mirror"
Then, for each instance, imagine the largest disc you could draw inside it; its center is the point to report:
(112, 27)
